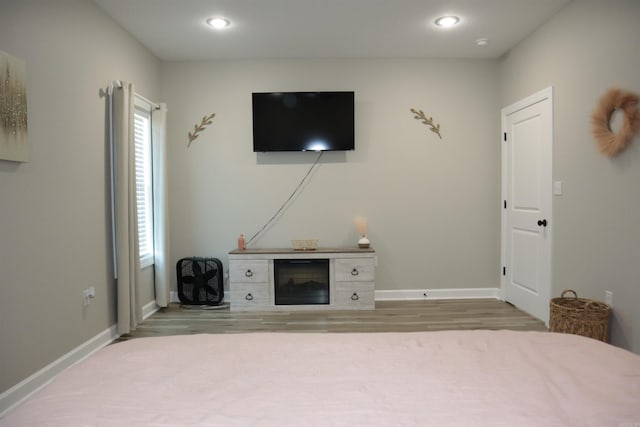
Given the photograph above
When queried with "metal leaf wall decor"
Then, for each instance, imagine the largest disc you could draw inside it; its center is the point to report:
(206, 121)
(419, 115)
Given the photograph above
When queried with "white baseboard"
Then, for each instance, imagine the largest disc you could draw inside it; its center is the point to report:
(173, 297)
(413, 294)
(21, 391)
(434, 294)
(149, 308)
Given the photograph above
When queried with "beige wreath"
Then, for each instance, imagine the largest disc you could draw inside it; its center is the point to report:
(611, 143)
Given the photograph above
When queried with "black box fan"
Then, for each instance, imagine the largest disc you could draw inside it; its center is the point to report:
(200, 281)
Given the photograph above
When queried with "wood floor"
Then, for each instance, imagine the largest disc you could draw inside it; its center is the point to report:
(388, 316)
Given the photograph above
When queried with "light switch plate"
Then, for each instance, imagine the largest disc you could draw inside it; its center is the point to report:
(557, 188)
(608, 298)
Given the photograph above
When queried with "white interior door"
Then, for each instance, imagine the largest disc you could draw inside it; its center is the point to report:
(527, 203)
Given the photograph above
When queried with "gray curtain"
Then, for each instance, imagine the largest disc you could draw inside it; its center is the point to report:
(127, 261)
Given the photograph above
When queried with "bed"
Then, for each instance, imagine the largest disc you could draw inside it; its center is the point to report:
(449, 378)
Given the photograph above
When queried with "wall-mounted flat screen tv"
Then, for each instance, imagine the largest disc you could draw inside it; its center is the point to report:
(303, 121)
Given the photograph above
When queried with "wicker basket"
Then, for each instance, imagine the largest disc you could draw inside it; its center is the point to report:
(580, 316)
(305, 244)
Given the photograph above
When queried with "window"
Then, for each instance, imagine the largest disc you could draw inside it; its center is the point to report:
(144, 187)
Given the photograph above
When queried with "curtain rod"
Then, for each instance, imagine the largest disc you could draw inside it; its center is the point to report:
(110, 86)
(118, 84)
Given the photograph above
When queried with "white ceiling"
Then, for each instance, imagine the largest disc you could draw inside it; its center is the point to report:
(175, 30)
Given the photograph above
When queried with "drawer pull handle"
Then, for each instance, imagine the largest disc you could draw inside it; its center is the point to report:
(249, 297)
(355, 297)
(355, 272)
(249, 273)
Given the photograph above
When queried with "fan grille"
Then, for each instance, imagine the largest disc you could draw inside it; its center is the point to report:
(200, 281)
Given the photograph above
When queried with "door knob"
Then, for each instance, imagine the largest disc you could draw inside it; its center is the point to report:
(542, 222)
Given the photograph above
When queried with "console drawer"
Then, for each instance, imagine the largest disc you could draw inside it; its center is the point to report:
(354, 270)
(251, 296)
(255, 271)
(355, 296)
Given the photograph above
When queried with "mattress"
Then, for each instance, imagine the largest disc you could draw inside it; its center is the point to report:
(448, 378)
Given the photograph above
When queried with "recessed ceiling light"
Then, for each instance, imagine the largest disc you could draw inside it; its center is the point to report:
(447, 21)
(218, 22)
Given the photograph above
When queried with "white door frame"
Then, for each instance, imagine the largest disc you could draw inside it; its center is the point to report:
(546, 93)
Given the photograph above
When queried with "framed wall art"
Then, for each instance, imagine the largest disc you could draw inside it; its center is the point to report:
(13, 109)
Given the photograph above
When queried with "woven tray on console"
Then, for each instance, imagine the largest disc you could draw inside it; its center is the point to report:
(580, 316)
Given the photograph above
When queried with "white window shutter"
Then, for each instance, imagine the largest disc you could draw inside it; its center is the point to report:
(144, 190)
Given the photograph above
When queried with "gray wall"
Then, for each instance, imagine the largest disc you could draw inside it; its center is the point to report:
(432, 205)
(54, 226)
(585, 49)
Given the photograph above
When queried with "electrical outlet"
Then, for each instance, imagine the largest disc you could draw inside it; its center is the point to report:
(608, 298)
(87, 295)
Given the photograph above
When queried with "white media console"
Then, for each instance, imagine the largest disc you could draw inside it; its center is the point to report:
(349, 283)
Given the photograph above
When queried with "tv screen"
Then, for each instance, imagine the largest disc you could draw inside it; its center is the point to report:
(303, 121)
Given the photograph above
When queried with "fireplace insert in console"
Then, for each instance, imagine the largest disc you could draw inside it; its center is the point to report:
(301, 281)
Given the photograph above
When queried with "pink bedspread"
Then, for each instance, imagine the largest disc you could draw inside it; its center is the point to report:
(454, 378)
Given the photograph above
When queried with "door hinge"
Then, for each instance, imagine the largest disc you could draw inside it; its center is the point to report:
(504, 271)
(505, 136)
